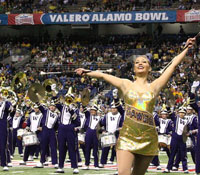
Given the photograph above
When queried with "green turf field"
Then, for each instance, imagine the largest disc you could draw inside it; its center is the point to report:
(68, 171)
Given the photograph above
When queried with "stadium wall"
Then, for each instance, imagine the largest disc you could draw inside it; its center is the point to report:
(101, 29)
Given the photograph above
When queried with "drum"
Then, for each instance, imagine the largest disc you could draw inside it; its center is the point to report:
(29, 139)
(20, 133)
(108, 139)
(81, 138)
(189, 143)
(163, 140)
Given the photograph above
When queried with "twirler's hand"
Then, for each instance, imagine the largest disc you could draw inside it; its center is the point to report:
(190, 42)
(81, 71)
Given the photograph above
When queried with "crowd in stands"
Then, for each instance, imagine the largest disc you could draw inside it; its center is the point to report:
(62, 6)
(104, 52)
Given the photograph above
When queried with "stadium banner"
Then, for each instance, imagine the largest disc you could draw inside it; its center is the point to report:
(188, 15)
(24, 19)
(93, 18)
(3, 19)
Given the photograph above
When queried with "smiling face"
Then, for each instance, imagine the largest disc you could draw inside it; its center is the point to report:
(93, 112)
(181, 114)
(164, 116)
(114, 111)
(141, 66)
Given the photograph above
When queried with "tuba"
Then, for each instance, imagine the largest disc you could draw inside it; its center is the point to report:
(19, 82)
(51, 87)
(85, 97)
(8, 94)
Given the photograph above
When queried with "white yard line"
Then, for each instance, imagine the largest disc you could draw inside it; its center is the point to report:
(16, 172)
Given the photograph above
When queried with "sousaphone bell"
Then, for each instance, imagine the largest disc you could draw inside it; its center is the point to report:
(85, 97)
(50, 87)
(19, 81)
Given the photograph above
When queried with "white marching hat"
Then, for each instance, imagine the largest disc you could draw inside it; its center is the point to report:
(189, 108)
(113, 105)
(94, 107)
(52, 103)
(164, 111)
(182, 109)
(35, 106)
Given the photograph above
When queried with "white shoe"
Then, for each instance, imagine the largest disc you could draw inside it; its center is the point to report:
(11, 157)
(101, 165)
(30, 158)
(5, 168)
(110, 162)
(75, 171)
(21, 155)
(22, 163)
(86, 168)
(46, 164)
(60, 170)
(96, 168)
(174, 169)
(10, 164)
(186, 172)
(166, 171)
(39, 165)
(68, 160)
(158, 168)
(80, 164)
(35, 157)
(56, 166)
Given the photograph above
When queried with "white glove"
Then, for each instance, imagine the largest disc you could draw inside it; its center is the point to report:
(115, 93)
(53, 87)
(194, 86)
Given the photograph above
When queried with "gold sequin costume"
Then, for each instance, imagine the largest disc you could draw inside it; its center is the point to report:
(138, 134)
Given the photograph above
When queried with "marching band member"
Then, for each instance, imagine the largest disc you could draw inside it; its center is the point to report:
(112, 122)
(68, 121)
(91, 140)
(192, 119)
(17, 122)
(195, 106)
(34, 125)
(48, 140)
(5, 108)
(177, 143)
(165, 126)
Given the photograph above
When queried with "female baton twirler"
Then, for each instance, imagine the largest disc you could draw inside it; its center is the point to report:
(138, 140)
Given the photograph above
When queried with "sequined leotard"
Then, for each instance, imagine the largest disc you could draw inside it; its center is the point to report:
(138, 134)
